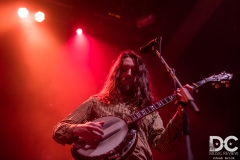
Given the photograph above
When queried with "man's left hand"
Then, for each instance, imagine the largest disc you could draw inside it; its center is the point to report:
(181, 99)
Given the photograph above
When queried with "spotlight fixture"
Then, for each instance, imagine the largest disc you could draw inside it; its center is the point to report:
(22, 12)
(39, 16)
(79, 31)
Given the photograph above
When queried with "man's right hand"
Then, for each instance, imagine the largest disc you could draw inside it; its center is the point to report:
(90, 131)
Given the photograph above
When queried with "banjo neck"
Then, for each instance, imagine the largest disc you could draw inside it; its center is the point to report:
(220, 78)
(144, 112)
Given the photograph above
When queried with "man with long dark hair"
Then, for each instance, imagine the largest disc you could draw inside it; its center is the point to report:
(126, 91)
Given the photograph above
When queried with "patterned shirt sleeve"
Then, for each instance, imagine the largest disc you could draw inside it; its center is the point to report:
(63, 131)
(164, 140)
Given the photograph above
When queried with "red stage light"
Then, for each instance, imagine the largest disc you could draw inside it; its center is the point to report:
(79, 31)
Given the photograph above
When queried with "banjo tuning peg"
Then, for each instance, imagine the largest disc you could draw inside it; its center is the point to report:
(227, 84)
(216, 85)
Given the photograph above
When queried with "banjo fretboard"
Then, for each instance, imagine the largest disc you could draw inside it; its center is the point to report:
(223, 77)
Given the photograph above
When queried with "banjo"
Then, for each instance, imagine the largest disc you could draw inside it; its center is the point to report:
(120, 136)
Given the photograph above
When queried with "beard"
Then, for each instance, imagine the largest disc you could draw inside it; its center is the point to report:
(127, 89)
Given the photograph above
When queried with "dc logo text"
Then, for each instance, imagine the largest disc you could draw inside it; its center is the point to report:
(223, 147)
(222, 143)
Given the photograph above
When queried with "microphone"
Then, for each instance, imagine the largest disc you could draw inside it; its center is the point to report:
(145, 48)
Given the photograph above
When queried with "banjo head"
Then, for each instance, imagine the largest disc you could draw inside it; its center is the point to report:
(115, 130)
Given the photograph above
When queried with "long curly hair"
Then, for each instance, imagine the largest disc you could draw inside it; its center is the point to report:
(143, 95)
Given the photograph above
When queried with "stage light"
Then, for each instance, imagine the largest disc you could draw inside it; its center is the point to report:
(114, 15)
(39, 16)
(79, 31)
(22, 12)
(145, 21)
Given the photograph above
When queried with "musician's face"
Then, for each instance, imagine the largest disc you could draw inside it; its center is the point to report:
(128, 74)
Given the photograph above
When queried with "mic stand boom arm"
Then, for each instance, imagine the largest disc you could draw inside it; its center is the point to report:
(188, 99)
(186, 95)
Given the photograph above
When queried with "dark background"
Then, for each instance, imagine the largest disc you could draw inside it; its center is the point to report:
(42, 81)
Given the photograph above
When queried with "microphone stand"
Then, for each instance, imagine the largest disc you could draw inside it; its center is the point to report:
(188, 99)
